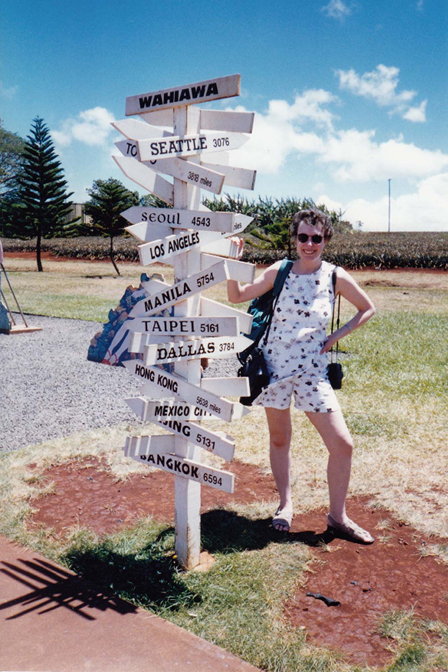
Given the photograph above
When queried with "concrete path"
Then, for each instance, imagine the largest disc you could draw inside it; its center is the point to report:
(54, 621)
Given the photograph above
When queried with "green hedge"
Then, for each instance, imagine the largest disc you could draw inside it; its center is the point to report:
(352, 250)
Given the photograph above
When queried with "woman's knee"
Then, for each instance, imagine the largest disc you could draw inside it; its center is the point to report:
(280, 438)
(342, 445)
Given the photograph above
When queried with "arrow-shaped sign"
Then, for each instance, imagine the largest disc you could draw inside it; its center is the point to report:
(185, 326)
(189, 94)
(139, 449)
(146, 178)
(214, 348)
(163, 248)
(143, 218)
(188, 145)
(191, 173)
(161, 413)
(185, 391)
(180, 291)
(172, 409)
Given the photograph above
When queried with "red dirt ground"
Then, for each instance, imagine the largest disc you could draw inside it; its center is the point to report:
(368, 581)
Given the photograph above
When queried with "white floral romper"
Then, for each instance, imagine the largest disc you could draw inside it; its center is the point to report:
(296, 337)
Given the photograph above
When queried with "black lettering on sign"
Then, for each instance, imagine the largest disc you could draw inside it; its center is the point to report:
(175, 95)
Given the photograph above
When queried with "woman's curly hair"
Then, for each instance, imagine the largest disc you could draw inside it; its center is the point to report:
(313, 217)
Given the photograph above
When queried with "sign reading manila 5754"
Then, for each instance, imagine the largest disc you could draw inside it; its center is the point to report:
(174, 324)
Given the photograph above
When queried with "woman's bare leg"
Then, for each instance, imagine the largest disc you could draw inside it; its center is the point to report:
(337, 438)
(279, 423)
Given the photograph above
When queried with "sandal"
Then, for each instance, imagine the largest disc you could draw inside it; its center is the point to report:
(282, 518)
(351, 531)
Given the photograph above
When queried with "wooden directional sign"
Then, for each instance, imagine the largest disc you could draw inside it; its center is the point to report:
(226, 120)
(186, 219)
(185, 391)
(210, 308)
(233, 177)
(180, 291)
(189, 94)
(134, 129)
(168, 409)
(230, 387)
(170, 246)
(214, 348)
(142, 445)
(185, 326)
(218, 443)
(143, 218)
(179, 466)
(210, 120)
(188, 145)
(189, 172)
(238, 270)
(222, 248)
(146, 178)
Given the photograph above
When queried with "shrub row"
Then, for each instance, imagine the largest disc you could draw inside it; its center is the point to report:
(355, 250)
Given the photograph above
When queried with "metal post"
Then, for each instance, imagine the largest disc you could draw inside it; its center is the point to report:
(388, 225)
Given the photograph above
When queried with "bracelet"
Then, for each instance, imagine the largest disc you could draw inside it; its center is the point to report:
(349, 329)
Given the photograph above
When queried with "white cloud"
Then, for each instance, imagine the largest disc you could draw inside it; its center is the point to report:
(329, 203)
(278, 133)
(420, 5)
(380, 85)
(359, 159)
(416, 113)
(91, 127)
(426, 209)
(352, 155)
(306, 107)
(8, 93)
(337, 9)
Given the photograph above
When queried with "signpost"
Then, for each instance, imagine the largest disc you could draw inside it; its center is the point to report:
(174, 324)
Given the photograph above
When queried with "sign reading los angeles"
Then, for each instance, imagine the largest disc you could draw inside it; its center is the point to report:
(172, 328)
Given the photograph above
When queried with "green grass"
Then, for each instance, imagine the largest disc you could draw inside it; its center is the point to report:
(394, 398)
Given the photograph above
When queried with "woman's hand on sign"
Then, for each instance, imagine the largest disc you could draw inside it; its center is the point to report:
(239, 242)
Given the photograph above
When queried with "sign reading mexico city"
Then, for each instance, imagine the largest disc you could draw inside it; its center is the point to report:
(201, 92)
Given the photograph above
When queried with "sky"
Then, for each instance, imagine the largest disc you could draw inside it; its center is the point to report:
(350, 96)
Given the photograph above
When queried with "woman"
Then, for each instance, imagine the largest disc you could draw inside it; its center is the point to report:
(295, 353)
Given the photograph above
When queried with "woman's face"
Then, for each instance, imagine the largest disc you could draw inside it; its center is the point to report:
(309, 249)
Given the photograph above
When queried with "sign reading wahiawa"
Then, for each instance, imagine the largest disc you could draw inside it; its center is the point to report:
(173, 325)
(200, 92)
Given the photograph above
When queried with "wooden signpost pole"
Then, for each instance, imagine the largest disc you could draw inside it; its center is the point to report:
(174, 323)
(187, 499)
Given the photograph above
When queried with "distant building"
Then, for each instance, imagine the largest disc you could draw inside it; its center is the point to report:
(77, 212)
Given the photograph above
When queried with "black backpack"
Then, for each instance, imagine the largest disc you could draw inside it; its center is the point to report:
(262, 309)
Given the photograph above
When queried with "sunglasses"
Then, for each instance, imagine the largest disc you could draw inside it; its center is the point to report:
(303, 238)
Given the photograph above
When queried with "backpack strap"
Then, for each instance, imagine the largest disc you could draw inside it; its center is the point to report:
(281, 276)
(279, 281)
(333, 282)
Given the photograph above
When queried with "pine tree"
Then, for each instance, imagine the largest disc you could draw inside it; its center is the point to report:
(45, 201)
(107, 199)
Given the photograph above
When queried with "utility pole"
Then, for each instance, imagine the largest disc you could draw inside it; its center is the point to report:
(388, 221)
